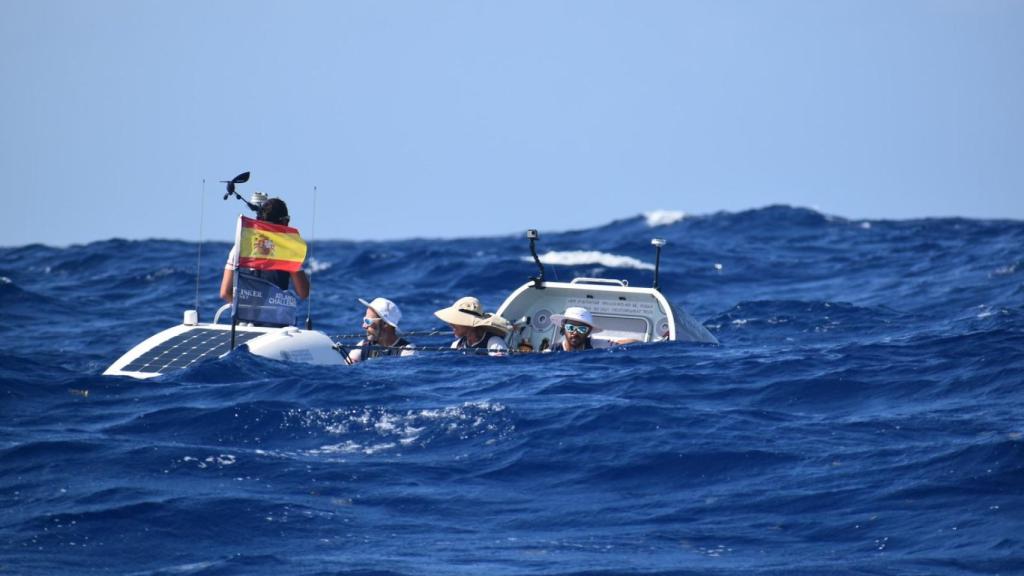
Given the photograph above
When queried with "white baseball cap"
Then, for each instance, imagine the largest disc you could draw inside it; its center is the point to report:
(577, 314)
(386, 309)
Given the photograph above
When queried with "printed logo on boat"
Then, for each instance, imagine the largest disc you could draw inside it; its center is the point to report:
(246, 293)
(645, 307)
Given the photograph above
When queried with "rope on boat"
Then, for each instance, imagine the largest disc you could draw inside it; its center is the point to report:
(415, 334)
(344, 349)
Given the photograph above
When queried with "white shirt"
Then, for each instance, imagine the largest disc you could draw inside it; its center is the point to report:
(356, 354)
(232, 263)
(495, 345)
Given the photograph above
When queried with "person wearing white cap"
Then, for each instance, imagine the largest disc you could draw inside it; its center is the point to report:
(576, 326)
(382, 339)
(473, 329)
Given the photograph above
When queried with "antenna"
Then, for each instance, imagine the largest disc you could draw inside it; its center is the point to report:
(657, 243)
(199, 249)
(538, 281)
(309, 299)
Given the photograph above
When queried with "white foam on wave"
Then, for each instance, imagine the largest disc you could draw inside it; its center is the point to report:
(663, 217)
(587, 257)
(389, 430)
(219, 460)
(986, 311)
(1001, 271)
(350, 447)
(188, 568)
(314, 265)
(161, 273)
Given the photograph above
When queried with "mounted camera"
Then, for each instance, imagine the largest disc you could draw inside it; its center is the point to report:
(533, 236)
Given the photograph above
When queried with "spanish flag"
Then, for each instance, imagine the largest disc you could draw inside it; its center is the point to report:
(266, 246)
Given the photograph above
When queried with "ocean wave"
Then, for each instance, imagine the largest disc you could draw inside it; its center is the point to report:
(1007, 270)
(371, 430)
(657, 218)
(866, 392)
(15, 298)
(590, 257)
(788, 317)
(314, 265)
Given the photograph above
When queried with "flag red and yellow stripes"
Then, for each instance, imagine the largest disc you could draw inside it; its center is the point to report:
(266, 246)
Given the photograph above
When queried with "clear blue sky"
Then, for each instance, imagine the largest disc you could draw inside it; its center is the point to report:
(459, 118)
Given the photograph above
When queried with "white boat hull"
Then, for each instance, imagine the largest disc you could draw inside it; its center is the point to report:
(184, 345)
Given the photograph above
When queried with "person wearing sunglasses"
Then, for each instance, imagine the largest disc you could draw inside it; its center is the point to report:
(576, 326)
(381, 326)
(274, 211)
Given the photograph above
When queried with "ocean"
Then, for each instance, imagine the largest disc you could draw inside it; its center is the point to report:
(862, 415)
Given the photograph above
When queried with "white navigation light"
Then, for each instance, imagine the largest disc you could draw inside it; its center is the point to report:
(659, 242)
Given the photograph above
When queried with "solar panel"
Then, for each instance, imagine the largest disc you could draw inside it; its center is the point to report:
(186, 349)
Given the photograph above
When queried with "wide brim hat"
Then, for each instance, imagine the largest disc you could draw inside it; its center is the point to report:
(386, 309)
(495, 325)
(577, 314)
(469, 312)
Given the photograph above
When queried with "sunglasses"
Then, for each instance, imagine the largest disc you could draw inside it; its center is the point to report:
(573, 328)
(367, 322)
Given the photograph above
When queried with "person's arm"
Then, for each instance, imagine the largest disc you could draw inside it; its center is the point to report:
(227, 284)
(228, 281)
(356, 354)
(608, 343)
(301, 283)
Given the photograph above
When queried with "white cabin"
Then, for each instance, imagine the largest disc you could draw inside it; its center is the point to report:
(621, 311)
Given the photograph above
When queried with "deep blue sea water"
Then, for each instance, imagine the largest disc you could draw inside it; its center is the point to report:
(864, 413)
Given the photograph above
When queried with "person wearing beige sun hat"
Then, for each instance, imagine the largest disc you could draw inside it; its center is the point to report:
(474, 329)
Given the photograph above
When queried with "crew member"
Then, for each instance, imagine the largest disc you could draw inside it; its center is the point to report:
(576, 326)
(382, 339)
(274, 211)
(473, 329)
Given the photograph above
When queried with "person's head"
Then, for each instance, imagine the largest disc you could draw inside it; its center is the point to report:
(577, 325)
(274, 211)
(462, 316)
(381, 319)
(468, 332)
(467, 319)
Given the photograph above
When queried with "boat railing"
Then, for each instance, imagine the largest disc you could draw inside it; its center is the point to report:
(605, 281)
(221, 310)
